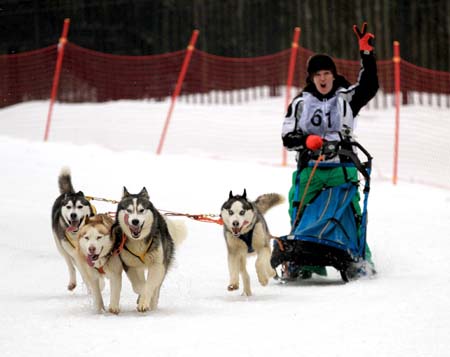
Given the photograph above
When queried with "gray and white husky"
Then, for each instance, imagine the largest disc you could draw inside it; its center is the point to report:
(246, 231)
(96, 249)
(69, 213)
(149, 247)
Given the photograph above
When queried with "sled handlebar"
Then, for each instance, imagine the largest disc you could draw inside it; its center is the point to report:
(363, 167)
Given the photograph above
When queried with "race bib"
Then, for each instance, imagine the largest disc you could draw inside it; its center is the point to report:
(320, 117)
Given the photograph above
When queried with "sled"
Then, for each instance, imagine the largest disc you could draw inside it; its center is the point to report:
(327, 232)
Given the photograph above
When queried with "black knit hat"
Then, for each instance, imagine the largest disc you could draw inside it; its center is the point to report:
(320, 62)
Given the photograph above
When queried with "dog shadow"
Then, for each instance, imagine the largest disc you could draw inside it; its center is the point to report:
(238, 297)
(51, 297)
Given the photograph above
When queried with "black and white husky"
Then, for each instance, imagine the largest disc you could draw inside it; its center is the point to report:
(246, 231)
(69, 213)
(149, 246)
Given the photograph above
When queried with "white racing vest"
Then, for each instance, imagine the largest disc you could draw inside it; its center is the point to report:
(326, 118)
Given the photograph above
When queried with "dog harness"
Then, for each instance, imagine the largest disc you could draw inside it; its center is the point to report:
(141, 256)
(100, 270)
(69, 239)
(113, 252)
(247, 239)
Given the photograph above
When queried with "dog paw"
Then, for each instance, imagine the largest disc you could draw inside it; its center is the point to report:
(263, 281)
(246, 293)
(233, 287)
(143, 305)
(114, 310)
(100, 309)
(71, 286)
(143, 308)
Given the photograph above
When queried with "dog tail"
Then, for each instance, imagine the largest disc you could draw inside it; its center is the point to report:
(177, 230)
(65, 181)
(267, 201)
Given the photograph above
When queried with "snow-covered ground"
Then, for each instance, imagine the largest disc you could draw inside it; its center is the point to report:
(210, 150)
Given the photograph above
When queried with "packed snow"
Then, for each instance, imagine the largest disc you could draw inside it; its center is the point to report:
(210, 150)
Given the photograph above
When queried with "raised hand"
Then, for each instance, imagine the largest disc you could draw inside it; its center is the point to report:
(365, 38)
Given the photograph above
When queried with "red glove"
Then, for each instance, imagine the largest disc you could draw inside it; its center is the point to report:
(314, 142)
(365, 39)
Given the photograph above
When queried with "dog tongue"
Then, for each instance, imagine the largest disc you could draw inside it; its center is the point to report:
(73, 226)
(134, 230)
(90, 261)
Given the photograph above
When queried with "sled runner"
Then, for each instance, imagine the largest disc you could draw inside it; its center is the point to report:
(328, 232)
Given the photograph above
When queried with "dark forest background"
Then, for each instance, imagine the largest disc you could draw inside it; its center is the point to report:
(234, 28)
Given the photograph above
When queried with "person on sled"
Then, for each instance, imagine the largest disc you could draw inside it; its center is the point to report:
(326, 106)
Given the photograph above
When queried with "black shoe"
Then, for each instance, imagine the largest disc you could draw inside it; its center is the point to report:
(305, 274)
(277, 256)
(294, 272)
(286, 273)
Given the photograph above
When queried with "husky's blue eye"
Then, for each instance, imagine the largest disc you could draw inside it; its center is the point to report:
(242, 212)
(129, 211)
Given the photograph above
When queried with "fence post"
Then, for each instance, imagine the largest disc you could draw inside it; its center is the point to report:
(396, 60)
(292, 61)
(61, 45)
(184, 67)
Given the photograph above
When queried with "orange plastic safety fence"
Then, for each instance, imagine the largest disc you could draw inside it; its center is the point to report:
(91, 76)
(27, 76)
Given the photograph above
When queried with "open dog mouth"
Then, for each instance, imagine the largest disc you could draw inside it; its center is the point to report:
(92, 258)
(74, 225)
(236, 231)
(135, 230)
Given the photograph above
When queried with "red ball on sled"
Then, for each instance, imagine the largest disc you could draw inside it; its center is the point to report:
(314, 142)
